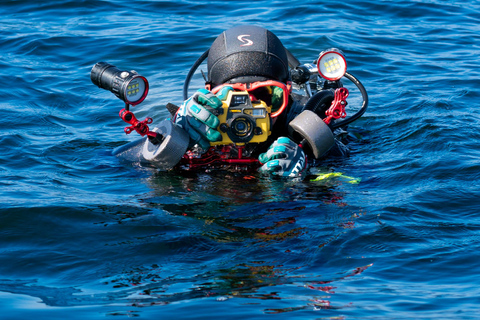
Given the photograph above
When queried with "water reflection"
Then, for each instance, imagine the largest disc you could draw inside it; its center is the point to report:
(257, 281)
(219, 236)
(249, 236)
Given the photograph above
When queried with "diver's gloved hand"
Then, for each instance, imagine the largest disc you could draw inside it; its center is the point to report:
(283, 158)
(196, 116)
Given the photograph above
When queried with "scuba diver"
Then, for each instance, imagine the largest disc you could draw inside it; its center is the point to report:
(260, 108)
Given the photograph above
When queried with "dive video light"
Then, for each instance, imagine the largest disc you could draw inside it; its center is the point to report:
(331, 64)
(128, 86)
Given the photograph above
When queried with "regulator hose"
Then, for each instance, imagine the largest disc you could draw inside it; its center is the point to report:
(293, 61)
(191, 72)
(320, 102)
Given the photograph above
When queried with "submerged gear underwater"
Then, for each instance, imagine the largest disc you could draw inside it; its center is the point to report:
(260, 109)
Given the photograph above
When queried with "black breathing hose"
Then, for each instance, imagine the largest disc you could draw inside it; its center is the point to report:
(292, 61)
(191, 72)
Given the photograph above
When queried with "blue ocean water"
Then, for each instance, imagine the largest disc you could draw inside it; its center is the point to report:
(84, 235)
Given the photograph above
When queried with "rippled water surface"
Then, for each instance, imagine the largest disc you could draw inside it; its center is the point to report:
(85, 236)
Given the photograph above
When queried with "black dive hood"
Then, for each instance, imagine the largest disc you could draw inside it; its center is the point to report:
(247, 54)
(244, 54)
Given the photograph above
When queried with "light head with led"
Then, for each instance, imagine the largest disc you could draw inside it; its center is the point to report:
(131, 88)
(331, 64)
(128, 86)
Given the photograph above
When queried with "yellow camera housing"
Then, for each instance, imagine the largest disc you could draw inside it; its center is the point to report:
(243, 121)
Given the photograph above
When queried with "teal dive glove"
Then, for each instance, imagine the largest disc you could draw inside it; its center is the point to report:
(196, 116)
(283, 158)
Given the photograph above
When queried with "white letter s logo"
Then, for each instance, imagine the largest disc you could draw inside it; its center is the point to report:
(245, 41)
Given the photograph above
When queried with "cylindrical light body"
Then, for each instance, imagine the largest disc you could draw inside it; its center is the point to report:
(128, 86)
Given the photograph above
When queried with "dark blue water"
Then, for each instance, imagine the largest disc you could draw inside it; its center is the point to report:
(86, 236)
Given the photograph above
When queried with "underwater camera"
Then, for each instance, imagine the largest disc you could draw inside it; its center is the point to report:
(128, 86)
(243, 121)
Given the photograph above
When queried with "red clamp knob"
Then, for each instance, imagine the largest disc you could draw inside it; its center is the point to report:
(337, 109)
(139, 126)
